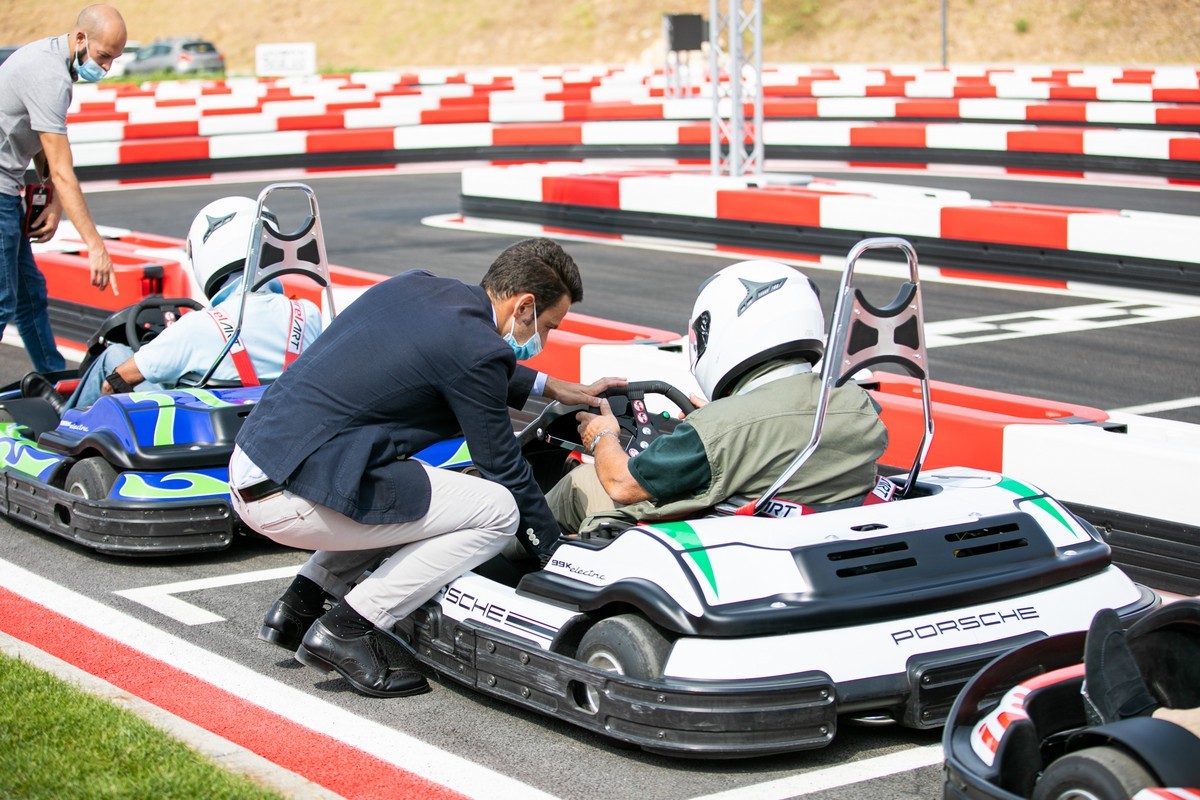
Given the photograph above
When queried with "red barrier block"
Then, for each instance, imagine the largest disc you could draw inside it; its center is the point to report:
(157, 130)
(982, 90)
(307, 122)
(175, 102)
(1056, 112)
(98, 116)
(888, 135)
(1030, 227)
(436, 116)
(598, 191)
(1072, 93)
(97, 105)
(180, 149)
(334, 108)
(694, 133)
(790, 108)
(889, 89)
(1177, 116)
(948, 109)
(1175, 95)
(534, 133)
(339, 141)
(1185, 149)
(600, 111)
(1047, 140)
(784, 206)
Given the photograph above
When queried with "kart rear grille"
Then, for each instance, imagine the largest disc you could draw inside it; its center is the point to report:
(995, 530)
(862, 552)
(881, 566)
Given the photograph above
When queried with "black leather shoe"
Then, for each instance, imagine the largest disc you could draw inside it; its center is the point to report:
(285, 626)
(1113, 687)
(37, 385)
(361, 661)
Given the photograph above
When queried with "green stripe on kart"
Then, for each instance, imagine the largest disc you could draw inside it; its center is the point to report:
(1038, 498)
(196, 484)
(164, 423)
(685, 536)
(24, 459)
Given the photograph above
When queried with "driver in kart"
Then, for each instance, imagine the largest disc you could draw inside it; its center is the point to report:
(756, 331)
(216, 247)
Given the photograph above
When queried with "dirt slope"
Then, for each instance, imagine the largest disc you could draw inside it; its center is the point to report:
(371, 34)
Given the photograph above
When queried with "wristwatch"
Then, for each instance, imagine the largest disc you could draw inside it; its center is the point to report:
(118, 384)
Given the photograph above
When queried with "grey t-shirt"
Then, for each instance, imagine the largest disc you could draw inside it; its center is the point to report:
(35, 92)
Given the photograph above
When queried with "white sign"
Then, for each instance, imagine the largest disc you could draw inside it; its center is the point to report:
(285, 60)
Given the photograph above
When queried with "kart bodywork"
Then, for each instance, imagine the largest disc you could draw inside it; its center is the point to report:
(756, 628)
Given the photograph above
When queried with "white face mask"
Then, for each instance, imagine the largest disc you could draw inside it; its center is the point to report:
(531, 346)
(88, 71)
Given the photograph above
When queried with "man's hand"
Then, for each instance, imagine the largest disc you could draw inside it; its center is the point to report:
(101, 264)
(48, 221)
(698, 401)
(592, 426)
(576, 394)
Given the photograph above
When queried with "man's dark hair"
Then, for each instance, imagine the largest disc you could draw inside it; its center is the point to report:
(538, 266)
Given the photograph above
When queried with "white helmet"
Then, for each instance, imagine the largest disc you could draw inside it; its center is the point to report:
(748, 314)
(218, 240)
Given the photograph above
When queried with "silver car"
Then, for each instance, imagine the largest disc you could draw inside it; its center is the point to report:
(182, 55)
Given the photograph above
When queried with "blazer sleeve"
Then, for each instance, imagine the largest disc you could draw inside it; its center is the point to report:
(520, 385)
(477, 399)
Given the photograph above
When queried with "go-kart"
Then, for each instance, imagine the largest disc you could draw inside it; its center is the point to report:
(757, 627)
(146, 473)
(1019, 729)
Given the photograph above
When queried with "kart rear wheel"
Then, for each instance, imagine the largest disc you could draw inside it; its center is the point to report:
(1097, 773)
(92, 478)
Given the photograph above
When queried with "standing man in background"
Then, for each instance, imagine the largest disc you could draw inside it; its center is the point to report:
(35, 92)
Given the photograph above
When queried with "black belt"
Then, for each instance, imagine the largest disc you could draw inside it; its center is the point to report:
(260, 490)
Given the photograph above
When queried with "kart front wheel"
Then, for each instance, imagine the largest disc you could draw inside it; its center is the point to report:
(628, 645)
(92, 478)
(1097, 773)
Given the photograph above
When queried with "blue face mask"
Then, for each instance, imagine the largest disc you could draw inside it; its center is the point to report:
(88, 71)
(531, 347)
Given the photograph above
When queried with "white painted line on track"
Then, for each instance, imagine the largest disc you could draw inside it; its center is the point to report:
(1156, 408)
(834, 777)
(161, 598)
(380, 741)
(1050, 321)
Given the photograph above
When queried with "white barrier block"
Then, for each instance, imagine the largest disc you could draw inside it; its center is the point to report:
(929, 88)
(346, 96)
(423, 137)
(1171, 237)
(1175, 78)
(1095, 76)
(685, 195)
(508, 183)
(167, 114)
(448, 90)
(225, 124)
(1019, 88)
(246, 101)
(969, 136)
(842, 88)
(281, 143)
(778, 132)
(903, 216)
(1125, 91)
(869, 107)
(95, 132)
(545, 111)
(632, 132)
(1123, 113)
(612, 94)
(410, 101)
(96, 154)
(135, 103)
(993, 108)
(292, 108)
(1134, 144)
(381, 117)
(1149, 471)
(687, 108)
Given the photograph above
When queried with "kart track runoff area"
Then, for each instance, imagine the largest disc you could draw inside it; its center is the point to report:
(179, 634)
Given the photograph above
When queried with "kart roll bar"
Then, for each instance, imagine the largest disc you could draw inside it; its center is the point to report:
(270, 253)
(862, 336)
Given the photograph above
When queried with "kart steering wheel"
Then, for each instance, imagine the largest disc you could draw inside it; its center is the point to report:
(150, 317)
(638, 426)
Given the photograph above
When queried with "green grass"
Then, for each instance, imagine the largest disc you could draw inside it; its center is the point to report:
(163, 75)
(59, 742)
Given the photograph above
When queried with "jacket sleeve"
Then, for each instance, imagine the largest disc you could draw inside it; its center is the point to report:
(477, 399)
(520, 385)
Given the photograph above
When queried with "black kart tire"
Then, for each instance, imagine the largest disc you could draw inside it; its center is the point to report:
(91, 478)
(628, 645)
(1097, 773)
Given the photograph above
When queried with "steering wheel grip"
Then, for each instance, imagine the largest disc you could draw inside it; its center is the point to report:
(639, 389)
(162, 304)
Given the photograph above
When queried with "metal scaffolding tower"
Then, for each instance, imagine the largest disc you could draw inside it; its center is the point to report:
(736, 146)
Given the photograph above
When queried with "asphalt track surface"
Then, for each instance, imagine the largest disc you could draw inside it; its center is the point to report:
(374, 223)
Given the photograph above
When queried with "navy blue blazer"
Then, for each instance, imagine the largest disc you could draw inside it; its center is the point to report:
(413, 361)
